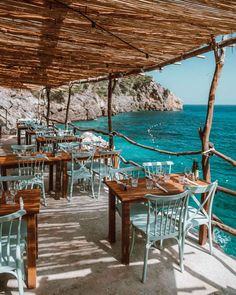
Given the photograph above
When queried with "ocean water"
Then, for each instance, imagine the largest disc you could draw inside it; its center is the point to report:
(178, 131)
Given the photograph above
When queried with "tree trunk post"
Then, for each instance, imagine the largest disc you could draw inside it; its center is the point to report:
(111, 87)
(48, 90)
(205, 133)
(68, 106)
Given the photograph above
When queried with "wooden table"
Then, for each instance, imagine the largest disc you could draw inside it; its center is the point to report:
(11, 161)
(128, 197)
(31, 200)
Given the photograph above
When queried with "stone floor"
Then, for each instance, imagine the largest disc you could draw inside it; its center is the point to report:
(76, 258)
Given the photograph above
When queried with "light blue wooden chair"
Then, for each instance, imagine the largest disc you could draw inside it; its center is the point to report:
(23, 148)
(160, 221)
(33, 168)
(81, 170)
(155, 168)
(197, 215)
(125, 172)
(103, 166)
(20, 180)
(12, 247)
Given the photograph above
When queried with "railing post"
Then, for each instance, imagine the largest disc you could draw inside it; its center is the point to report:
(68, 106)
(205, 133)
(48, 105)
(109, 113)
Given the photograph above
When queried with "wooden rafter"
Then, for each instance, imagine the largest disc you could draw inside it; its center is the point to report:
(47, 42)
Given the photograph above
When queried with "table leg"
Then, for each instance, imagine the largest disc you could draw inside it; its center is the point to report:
(125, 233)
(31, 252)
(58, 180)
(64, 179)
(30, 138)
(112, 217)
(18, 136)
(50, 177)
(26, 137)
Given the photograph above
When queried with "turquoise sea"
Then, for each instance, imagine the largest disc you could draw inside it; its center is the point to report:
(178, 131)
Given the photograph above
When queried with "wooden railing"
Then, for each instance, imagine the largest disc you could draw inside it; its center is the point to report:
(216, 221)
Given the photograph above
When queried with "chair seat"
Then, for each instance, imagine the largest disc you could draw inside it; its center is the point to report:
(195, 219)
(137, 210)
(103, 170)
(79, 174)
(140, 222)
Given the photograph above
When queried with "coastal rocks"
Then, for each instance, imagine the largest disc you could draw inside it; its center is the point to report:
(15, 104)
(90, 137)
(88, 101)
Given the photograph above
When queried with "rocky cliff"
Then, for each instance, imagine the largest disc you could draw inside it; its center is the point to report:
(89, 101)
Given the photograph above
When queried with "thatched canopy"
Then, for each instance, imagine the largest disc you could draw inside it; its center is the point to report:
(51, 42)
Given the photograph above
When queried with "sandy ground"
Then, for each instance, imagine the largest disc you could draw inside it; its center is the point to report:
(76, 258)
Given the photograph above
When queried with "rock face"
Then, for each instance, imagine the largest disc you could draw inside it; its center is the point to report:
(89, 101)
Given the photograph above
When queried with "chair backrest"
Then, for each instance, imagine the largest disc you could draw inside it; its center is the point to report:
(154, 168)
(209, 191)
(165, 214)
(10, 236)
(125, 172)
(82, 161)
(107, 160)
(16, 148)
(16, 179)
(31, 166)
(68, 146)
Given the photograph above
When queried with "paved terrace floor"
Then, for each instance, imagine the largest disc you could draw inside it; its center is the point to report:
(75, 258)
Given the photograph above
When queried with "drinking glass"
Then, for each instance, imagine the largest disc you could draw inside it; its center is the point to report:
(11, 193)
(188, 172)
(149, 183)
(182, 179)
(134, 182)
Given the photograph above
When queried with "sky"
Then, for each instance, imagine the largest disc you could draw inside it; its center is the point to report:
(191, 80)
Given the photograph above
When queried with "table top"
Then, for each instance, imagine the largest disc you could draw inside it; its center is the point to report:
(67, 138)
(31, 199)
(12, 159)
(134, 194)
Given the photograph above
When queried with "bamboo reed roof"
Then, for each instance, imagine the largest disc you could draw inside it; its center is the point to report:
(52, 42)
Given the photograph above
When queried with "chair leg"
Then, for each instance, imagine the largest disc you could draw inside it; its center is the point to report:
(181, 254)
(99, 187)
(70, 184)
(210, 238)
(161, 244)
(144, 277)
(44, 195)
(20, 280)
(92, 187)
(132, 241)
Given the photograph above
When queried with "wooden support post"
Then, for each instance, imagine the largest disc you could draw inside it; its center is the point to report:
(68, 106)
(111, 87)
(205, 133)
(48, 104)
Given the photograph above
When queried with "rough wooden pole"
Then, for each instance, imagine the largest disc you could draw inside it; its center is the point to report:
(111, 87)
(205, 133)
(68, 106)
(48, 90)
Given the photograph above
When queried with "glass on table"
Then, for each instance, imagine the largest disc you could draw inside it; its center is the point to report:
(11, 193)
(134, 181)
(188, 172)
(182, 179)
(149, 183)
